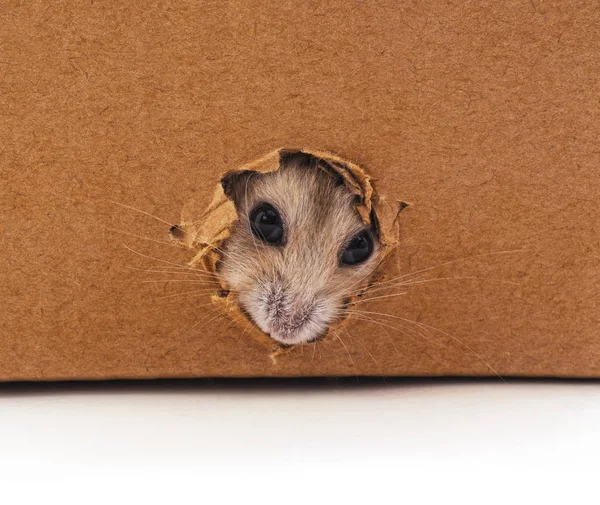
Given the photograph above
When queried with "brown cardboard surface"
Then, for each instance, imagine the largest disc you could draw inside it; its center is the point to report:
(485, 118)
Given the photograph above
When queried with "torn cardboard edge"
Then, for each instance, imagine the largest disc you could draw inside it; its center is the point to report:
(205, 230)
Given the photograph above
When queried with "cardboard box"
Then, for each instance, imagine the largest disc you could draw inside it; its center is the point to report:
(484, 118)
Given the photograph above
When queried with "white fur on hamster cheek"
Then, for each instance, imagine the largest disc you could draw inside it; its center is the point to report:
(249, 302)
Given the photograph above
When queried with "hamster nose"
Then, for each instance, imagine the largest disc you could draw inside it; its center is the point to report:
(290, 317)
(277, 303)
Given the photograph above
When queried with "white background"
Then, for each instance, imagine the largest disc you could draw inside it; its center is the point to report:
(315, 441)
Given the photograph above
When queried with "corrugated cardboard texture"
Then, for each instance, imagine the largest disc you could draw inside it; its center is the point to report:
(485, 118)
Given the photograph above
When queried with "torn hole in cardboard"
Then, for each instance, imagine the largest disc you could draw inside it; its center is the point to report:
(205, 229)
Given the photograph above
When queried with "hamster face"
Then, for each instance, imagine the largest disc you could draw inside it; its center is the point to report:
(297, 252)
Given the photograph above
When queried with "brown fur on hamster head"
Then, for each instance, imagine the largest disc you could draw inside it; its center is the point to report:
(296, 290)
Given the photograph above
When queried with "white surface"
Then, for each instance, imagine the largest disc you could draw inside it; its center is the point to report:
(408, 441)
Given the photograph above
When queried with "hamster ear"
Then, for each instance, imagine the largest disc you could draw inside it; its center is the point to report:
(234, 184)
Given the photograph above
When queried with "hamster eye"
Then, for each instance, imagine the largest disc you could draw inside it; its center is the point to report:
(266, 224)
(358, 250)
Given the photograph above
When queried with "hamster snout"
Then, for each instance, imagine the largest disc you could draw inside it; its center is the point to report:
(298, 250)
(287, 317)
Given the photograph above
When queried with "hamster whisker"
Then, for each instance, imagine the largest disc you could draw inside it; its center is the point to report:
(314, 344)
(389, 337)
(337, 335)
(217, 312)
(344, 288)
(401, 329)
(236, 320)
(451, 262)
(129, 234)
(381, 286)
(367, 350)
(170, 244)
(196, 292)
(140, 211)
(360, 317)
(167, 271)
(193, 281)
(411, 282)
(199, 275)
(186, 332)
(418, 282)
(249, 325)
(362, 300)
(183, 267)
(433, 328)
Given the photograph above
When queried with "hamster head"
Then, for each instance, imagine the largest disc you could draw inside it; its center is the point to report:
(298, 251)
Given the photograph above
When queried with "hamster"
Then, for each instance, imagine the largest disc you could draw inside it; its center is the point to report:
(298, 251)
